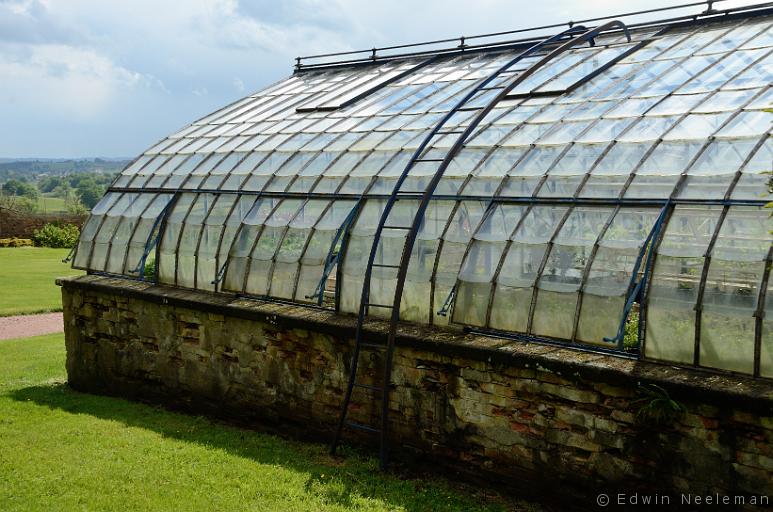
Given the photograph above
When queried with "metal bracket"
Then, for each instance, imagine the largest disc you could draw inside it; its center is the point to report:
(637, 287)
(333, 256)
(71, 253)
(152, 241)
(446, 307)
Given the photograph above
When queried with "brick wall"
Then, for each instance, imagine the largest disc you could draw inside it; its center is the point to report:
(535, 417)
(24, 225)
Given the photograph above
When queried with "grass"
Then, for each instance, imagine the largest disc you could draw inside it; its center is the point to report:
(62, 450)
(27, 277)
(50, 204)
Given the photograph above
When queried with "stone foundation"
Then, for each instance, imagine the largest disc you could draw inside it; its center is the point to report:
(533, 416)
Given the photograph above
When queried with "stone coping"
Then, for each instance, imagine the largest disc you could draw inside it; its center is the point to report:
(688, 383)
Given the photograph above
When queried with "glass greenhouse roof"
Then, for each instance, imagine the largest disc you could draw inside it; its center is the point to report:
(607, 163)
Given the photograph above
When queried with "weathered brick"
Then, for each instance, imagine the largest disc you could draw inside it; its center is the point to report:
(571, 393)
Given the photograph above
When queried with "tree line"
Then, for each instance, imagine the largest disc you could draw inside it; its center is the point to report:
(79, 188)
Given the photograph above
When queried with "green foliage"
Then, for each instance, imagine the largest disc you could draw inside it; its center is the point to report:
(15, 242)
(150, 269)
(657, 407)
(57, 235)
(20, 188)
(59, 169)
(89, 192)
(74, 186)
(69, 451)
(73, 204)
(26, 205)
(631, 336)
(50, 183)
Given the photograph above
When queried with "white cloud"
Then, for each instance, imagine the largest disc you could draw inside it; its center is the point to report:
(63, 80)
(84, 77)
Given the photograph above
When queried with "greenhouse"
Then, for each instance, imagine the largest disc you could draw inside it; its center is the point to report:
(599, 185)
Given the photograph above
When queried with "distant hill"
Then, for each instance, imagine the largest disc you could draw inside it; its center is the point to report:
(35, 167)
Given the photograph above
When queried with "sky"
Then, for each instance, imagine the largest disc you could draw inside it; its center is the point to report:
(110, 78)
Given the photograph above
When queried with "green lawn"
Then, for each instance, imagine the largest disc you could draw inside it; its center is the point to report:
(27, 277)
(50, 204)
(62, 450)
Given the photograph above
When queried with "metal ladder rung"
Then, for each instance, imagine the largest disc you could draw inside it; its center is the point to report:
(397, 227)
(360, 426)
(383, 347)
(373, 346)
(368, 387)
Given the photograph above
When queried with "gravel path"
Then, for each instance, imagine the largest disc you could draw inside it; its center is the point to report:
(30, 325)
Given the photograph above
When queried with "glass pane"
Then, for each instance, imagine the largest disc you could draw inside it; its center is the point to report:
(731, 290)
(675, 280)
(562, 275)
(514, 286)
(189, 239)
(211, 233)
(244, 241)
(106, 231)
(124, 232)
(610, 273)
(146, 228)
(85, 242)
(475, 277)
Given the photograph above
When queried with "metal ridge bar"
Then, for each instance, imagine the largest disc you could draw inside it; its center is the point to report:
(375, 87)
(613, 201)
(570, 24)
(708, 15)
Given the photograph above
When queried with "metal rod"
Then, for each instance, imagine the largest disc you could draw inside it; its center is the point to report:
(759, 313)
(454, 48)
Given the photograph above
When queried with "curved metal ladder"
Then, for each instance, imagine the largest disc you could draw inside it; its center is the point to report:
(582, 35)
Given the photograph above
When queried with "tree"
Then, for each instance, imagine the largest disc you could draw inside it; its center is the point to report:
(20, 188)
(73, 204)
(18, 204)
(89, 192)
(50, 183)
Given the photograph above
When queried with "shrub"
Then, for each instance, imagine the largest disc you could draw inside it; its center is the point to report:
(15, 242)
(150, 269)
(631, 337)
(57, 235)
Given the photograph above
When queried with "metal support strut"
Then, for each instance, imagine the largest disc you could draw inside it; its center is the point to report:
(154, 236)
(567, 39)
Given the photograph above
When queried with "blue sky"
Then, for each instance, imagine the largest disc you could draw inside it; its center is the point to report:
(110, 77)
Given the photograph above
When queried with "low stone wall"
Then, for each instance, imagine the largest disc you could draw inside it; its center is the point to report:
(536, 417)
(19, 225)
